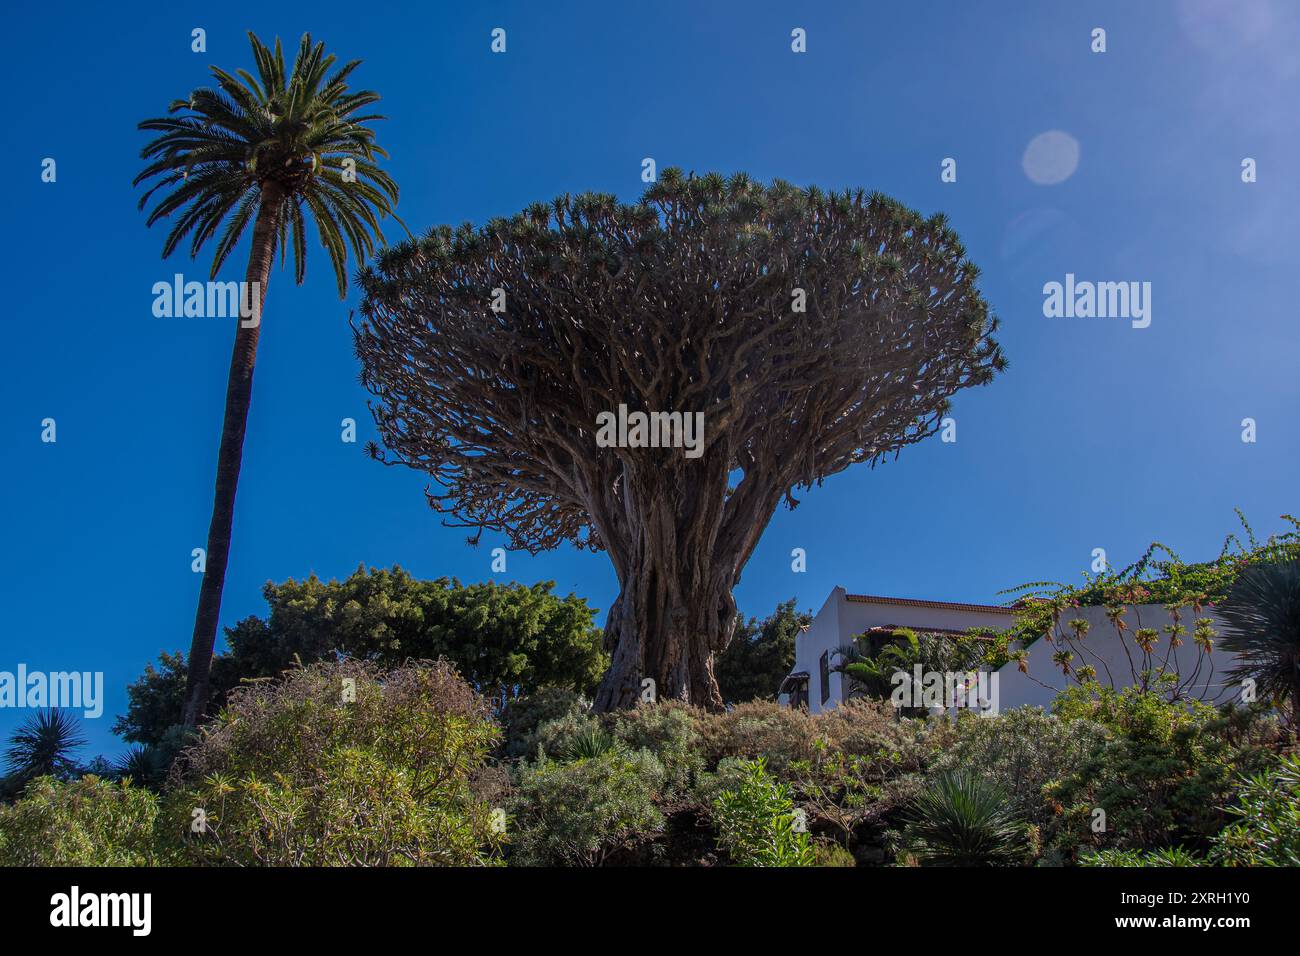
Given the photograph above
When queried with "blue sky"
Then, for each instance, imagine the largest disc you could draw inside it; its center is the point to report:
(1099, 434)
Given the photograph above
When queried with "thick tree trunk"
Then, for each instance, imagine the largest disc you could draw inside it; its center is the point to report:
(664, 634)
(239, 394)
(675, 611)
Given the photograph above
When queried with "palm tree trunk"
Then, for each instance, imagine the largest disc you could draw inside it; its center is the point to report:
(239, 394)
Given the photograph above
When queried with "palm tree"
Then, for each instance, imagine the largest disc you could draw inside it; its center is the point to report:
(1262, 627)
(874, 673)
(265, 150)
(43, 746)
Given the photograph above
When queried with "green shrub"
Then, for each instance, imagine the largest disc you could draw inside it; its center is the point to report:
(1168, 856)
(832, 854)
(87, 822)
(297, 773)
(1021, 751)
(964, 820)
(760, 729)
(1164, 778)
(670, 731)
(525, 715)
(783, 735)
(756, 822)
(585, 811)
(555, 739)
(1267, 831)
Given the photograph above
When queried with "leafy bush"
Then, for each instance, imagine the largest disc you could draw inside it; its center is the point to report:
(87, 822)
(670, 731)
(505, 639)
(555, 739)
(297, 773)
(585, 811)
(783, 735)
(1267, 831)
(756, 821)
(1168, 856)
(964, 820)
(760, 729)
(1021, 751)
(1164, 778)
(832, 854)
(523, 716)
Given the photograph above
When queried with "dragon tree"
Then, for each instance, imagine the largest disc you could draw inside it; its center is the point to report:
(812, 330)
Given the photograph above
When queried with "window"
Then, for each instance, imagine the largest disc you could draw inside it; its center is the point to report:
(825, 665)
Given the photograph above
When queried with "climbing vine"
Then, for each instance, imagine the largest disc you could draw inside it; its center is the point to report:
(1159, 576)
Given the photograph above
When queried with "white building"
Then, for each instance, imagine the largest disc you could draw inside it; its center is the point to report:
(844, 616)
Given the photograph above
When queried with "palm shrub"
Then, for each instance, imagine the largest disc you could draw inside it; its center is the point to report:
(756, 821)
(341, 764)
(1262, 627)
(964, 820)
(141, 764)
(275, 149)
(43, 746)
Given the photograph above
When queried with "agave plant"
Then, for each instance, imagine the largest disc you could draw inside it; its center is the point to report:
(1262, 627)
(44, 746)
(964, 820)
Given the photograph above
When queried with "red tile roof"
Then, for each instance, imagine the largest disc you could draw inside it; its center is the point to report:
(920, 629)
(909, 602)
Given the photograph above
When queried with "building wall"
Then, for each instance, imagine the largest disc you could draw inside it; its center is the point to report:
(840, 620)
(1103, 648)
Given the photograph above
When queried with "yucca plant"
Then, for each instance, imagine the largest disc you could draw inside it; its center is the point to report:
(1261, 619)
(273, 150)
(964, 819)
(589, 743)
(142, 764)
(44, 746)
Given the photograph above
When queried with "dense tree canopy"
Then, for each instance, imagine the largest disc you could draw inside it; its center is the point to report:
(811, 331)
(760, 654)
(505, 639)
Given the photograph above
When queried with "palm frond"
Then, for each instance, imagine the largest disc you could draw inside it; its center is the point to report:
(300, 132)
